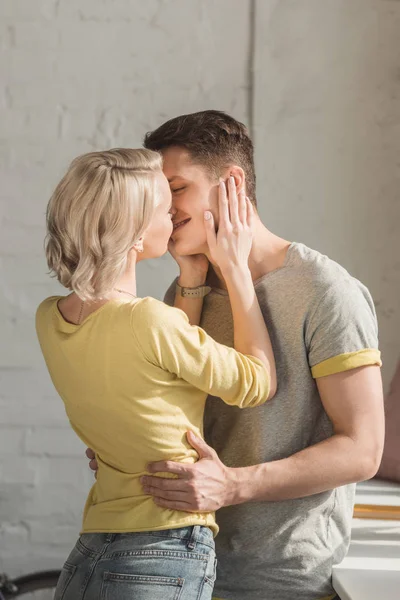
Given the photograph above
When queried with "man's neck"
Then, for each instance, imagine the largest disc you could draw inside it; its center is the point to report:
(268, 253)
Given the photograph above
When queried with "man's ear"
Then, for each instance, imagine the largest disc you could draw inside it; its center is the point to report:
(240, 178)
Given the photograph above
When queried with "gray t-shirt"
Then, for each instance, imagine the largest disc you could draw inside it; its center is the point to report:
(321, 321)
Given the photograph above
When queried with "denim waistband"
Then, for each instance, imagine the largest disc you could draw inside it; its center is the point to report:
(196, 534)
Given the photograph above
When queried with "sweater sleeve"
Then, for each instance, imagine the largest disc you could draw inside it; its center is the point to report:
(168, 341)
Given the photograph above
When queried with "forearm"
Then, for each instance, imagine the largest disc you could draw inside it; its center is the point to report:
(332, 463)
(250, 331)
(191, 306)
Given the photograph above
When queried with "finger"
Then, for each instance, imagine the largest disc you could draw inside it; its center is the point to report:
(242, 207)
(163, 484)
(224, 220)
(89, 453)
(202, 449)
(175, 505)
(233, 202)
(250, 213)
(168, 466)
(210, 230)
(167, 495)
(93, 465)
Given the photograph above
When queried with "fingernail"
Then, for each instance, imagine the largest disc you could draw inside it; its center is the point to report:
(207, 215)
(232, 179)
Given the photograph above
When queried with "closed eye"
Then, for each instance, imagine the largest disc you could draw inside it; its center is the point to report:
(178, 190)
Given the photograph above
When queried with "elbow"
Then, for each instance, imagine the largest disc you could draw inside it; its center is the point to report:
(273, 388)
(369, 463)
(374, 464)
(258, 397)
(273, 385)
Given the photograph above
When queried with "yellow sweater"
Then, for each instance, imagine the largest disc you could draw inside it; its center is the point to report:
(134, 377)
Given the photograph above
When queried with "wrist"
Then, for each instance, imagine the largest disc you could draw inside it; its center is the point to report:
(234, 487)
(192, 280)
(240, 486)
(236, 273)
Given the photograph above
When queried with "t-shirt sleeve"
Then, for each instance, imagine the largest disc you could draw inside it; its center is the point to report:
(342, 331)
(168, 341)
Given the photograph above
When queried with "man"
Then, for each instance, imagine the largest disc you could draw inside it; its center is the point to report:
(281, 476)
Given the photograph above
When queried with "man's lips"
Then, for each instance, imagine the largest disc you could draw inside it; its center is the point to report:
(180, 224)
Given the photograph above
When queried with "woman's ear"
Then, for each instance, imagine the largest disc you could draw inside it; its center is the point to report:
(138, 245)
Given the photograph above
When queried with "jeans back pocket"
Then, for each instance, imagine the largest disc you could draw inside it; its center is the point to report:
(141, 587)
(64, 580)
(211, 574)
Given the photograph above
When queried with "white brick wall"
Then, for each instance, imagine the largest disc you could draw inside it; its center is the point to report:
(327, 134)
(78, 76)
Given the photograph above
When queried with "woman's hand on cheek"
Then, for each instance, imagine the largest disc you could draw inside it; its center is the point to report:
(193, 269)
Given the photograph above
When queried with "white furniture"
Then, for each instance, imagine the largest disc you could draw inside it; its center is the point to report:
(371, 570)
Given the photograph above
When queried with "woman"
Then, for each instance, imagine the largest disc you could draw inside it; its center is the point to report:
(134, 374)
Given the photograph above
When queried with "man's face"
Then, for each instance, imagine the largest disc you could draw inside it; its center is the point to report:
(193, 192)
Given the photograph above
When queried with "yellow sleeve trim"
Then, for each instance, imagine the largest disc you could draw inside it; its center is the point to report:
(346, 362)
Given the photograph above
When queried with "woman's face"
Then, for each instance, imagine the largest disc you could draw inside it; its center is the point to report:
(157, 235)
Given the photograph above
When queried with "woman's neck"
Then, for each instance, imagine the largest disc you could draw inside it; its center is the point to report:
(127, 281)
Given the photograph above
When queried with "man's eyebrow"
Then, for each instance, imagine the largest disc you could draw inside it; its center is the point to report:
(172, 179)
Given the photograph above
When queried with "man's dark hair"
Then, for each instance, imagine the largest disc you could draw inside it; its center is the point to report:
(213, 139)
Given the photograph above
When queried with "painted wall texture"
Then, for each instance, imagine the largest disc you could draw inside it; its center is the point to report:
(319, 84)
(327, 133)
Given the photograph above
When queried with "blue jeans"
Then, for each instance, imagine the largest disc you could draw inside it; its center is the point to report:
(175, 564)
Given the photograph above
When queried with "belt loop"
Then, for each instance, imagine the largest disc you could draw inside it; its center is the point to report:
(191, 545)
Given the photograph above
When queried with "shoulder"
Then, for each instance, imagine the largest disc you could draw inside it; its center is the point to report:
(47, 306)
(151, 312)
(321, 277)
(154, 325)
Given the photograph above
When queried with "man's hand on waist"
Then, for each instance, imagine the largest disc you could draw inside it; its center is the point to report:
(204, 486)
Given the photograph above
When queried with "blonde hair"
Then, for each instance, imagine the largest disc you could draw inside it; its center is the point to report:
(98, 211)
